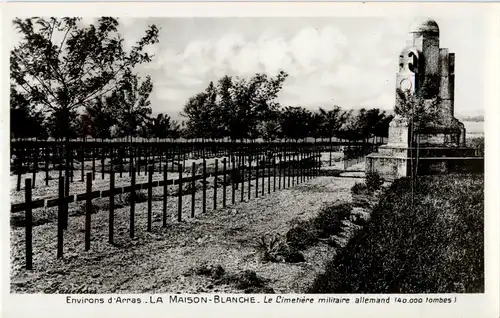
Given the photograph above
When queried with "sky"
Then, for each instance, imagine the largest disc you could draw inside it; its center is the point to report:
(346, 61)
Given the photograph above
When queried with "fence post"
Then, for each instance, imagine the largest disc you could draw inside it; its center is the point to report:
(204, 202)
(193, 188)
(29, 224)
(47, 165)
(88, 211)
(310, 165)
(150, 196)
(159, 160)
(132, 202)
(317, 160)
(263, 173)
(179, 206)
(153, 152)
(242, 173)
(102, 162)
(139, 156)
(303, 162)
(19, 176)
(82, 167)
(35, 165)
(274, 174)
(289, 170)
(232, 182)
(60, 218)
(66, 208)
(224, 171)
(111, 205)
(165, 188)
(257, 176)
(268, 178)
(215, 183)
(93, 163)
(249, 175)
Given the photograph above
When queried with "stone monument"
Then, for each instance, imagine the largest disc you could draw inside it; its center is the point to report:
(441, 145)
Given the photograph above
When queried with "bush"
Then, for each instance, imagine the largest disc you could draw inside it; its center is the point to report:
(433, 245)
(373, 181)
(359, 188)
(478, 144)
(273, 248)
(215, 272)
(270, 247)
(301, 236)
(329, 219)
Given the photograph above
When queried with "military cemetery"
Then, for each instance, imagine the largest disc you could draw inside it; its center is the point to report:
(258, 182)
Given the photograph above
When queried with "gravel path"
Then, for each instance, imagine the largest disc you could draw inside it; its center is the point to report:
(161, 261)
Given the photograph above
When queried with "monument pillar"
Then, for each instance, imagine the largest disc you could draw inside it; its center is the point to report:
(427, 70)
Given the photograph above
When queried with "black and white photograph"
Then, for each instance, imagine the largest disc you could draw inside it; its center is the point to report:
(284, 156)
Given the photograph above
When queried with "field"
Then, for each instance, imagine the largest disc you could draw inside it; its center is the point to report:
(229, 233)
(176, 258)
(278, 236)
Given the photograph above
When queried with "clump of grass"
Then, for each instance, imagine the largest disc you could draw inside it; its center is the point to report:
(373, 181)
(359, 188)
(432, 242)
(248, 281)
(301, 235)
(272, 248)
(212, 271)
(328, 222)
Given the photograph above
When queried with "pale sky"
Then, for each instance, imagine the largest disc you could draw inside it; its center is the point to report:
(344, 61)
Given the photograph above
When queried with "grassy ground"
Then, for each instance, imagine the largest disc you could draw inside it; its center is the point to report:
(433, 246)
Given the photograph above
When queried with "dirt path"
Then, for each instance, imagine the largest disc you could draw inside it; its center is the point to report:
(161, 261)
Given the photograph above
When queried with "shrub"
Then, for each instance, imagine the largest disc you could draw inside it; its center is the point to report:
(301, 236)
(359, 188)
(329, 219)
(270, 247)
(373, 181)
(248, 281)
(433, 245)
(273, 248)
(478, 144)
(215, 272)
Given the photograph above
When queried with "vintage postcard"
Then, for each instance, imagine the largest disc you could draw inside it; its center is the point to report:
(292, 160)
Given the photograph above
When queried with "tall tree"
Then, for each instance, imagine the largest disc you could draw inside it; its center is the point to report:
(163, 126)
(25, 121)
(332, 121)
(101, 116)
(253, 100)
(198, 121)
(131, 104)
(63, 65)
(87, 63)
(420, 110)
(294, 122)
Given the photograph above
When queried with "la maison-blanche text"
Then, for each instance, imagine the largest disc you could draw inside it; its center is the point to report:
(264, 299)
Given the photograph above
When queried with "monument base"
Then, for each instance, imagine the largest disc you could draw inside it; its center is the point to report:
(393, 162)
